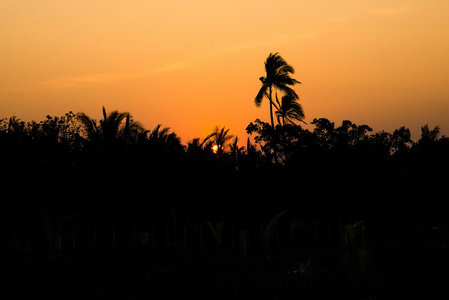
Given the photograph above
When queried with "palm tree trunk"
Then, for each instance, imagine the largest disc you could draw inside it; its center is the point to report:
(271, 109)
(272, 128)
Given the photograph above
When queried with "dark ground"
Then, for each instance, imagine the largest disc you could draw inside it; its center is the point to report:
(391, 271)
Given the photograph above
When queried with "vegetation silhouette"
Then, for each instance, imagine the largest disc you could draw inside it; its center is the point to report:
(51, 155)
(114, 174)
(114, 128)
(289, 109)
(109, 207)
(277, 77)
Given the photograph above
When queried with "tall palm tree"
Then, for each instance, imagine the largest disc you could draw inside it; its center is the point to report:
(234, 147)
(278, 73)
(289, 109)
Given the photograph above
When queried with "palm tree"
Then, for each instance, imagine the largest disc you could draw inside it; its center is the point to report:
(234, 148)
(91, 129)
(277, 76)
(220, 139)
(132, 130)
(16, 125)
(110, 125)
(429, 136)
(163, 139)
(289, 109)
(236, 151)
(196, 146)
(111, 129)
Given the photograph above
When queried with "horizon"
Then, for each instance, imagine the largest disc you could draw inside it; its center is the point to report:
(377, 63)
(414, 137)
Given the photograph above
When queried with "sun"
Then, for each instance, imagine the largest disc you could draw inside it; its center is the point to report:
(215, 149)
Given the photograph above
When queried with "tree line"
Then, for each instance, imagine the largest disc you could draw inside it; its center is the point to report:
(114, 170)
(76, 164)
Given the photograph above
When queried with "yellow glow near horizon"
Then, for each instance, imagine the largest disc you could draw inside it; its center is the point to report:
(192, 65)
(215, 149)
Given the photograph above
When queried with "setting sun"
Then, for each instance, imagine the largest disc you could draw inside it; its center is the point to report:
(215, 149)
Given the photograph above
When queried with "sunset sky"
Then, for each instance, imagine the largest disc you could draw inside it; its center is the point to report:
(194, 64)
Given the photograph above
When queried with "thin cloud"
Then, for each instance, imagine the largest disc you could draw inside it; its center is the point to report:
(229, 48)
(76, 81)
(106, 78)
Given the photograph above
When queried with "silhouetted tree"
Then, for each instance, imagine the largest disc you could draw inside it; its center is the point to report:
(110, 126)
(90, 127)
(289, 109)
(196, 147)
(277, 77)
(325, 132)
(429, 154)
(236, 151)
(64, 130)
(382, 140)
(350, 134)
(162, 137)
(220, 138)
(428, 136)
(131, 130)
(401, 140)
(113, 128)
(61, 165)
(16, 126)
(265, 137)
(288, 140)
(161, 146)
(251, 157)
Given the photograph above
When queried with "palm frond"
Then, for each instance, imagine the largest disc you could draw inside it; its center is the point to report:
(287, 90)
(285, 79)
(287, 69)
(277, 100)
(89, 125)
(136, 127)
(155, 132)
(260, 95)
(132, 130)
(216, 230)
(271, 227)
(206, 139)
(290, 109)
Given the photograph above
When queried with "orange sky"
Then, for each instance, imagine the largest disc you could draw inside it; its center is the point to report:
(194, 64)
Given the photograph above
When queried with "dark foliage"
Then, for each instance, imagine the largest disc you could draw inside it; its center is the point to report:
(69, 165)
(75, 172)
